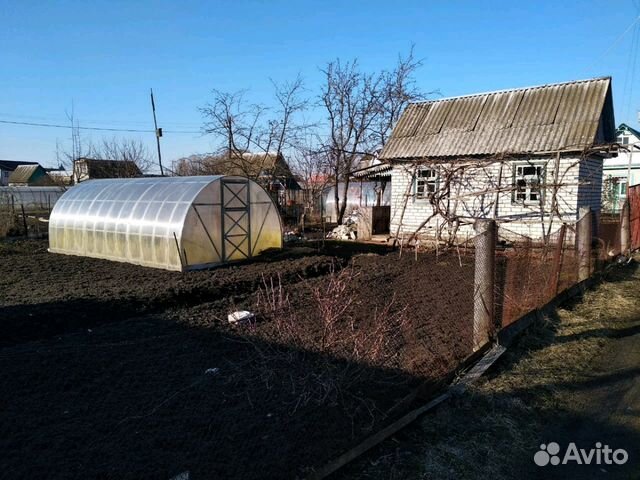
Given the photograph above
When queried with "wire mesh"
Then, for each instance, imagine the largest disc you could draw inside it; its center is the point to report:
(138, 373)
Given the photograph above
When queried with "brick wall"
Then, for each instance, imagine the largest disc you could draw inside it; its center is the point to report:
(473, 195)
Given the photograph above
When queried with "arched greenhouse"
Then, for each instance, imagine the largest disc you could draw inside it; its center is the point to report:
(175, 223)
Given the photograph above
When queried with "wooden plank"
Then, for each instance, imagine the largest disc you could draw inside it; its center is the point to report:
(471, 376)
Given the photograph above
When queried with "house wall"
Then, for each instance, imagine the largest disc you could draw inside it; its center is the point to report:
(80, 171)
(473, 194)
(360, 194)
(4, 177)
(618, 169)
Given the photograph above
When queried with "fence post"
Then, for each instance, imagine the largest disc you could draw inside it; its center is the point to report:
(625, 228)
(24, 221)
(484, 279)
(584, 243)
(557, 263)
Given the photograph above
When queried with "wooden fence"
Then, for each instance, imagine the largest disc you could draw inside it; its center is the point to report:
(634, 214)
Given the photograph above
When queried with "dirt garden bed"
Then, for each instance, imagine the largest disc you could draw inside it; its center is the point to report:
(118, 371)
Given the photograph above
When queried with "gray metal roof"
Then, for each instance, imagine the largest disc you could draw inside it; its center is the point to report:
(564, 116)
(11, 165)
(379, 169)
(623, 126)
(26, 174)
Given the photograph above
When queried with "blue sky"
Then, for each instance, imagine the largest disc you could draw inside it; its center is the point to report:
(105, 55)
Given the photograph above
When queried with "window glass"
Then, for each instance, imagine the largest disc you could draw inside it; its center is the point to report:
(426, 182)
(527, 182)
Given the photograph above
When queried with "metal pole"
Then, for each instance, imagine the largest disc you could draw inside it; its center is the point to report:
(158, 133)
(584, 243)
(24, 221)
(484, 279)
(629, 169)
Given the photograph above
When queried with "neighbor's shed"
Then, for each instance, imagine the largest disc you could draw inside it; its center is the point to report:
(175, 223)
(29, 175)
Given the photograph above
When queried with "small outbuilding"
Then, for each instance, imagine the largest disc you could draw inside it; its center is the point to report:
(93, 168)
(175, 223)
(7, 167)
(29, 175)
(529, 158)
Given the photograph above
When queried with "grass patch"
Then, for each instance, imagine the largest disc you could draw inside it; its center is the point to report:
(493, 429)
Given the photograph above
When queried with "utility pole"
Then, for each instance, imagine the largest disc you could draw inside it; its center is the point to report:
(158, 133)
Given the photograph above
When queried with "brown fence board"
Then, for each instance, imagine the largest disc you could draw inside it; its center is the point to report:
(634, 208)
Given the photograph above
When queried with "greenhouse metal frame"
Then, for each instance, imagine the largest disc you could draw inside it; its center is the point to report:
(175, 223)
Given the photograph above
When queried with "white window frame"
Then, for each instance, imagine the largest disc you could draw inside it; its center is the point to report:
(527, 191)
(621, 181)
(425, 183)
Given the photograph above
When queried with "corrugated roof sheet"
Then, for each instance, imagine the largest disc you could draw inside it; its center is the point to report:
(11, 165)
(563, 116)
(373, 170)
(25, 174)
(256, 165)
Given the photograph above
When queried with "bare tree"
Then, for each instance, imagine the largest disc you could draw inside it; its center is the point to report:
(311, 167)
(202, 164)
(361, 109)
(251, 135)
(398, 90)
(124, 149)
(114, 148)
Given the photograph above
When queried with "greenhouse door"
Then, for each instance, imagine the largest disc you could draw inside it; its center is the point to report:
(236, 219)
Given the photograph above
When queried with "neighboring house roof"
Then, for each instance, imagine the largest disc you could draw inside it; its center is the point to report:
(372, 167)
(565, 116)
(59, 176)
(98, 168)
(256, 165)
(623, 126)
(11, 165)
(29, 175)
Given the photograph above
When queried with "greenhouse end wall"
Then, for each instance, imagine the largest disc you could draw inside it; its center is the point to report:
(174, 223)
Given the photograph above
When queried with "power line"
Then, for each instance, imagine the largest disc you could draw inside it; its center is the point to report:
(627, 95)
(615, 42)
(134, 123)
(128, 130)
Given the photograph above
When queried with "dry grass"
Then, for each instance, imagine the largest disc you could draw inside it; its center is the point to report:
(491, 430)
(8, 223)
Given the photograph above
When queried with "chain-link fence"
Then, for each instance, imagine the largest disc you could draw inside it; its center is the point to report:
(121, 372)
(142, 375)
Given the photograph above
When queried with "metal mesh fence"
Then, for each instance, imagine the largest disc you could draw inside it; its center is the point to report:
(132, 373)
(121, 372)
(530, 273)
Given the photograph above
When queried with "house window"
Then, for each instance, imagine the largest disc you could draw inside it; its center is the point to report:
(623, 140)
(622, 187)
(426, 182)
(527, 181)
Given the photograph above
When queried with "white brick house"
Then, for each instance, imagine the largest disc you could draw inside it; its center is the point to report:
(623, 170)
(530, 158)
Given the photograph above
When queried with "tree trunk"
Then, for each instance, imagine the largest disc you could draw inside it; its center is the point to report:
(343, 204)
(336, 196)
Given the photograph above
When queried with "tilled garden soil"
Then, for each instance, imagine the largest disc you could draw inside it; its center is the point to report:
(64, 293)
(116, 371)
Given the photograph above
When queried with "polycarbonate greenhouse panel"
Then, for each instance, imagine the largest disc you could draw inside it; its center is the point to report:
(175, 223)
